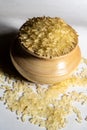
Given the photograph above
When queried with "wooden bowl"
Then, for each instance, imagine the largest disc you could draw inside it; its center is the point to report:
(44, 71)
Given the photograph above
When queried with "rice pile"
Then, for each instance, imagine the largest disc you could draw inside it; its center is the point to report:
(47, 37)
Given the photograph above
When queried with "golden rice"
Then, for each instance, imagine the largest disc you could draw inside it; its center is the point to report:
(47, 37)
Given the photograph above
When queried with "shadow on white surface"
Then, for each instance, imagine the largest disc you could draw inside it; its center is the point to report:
(7, 36)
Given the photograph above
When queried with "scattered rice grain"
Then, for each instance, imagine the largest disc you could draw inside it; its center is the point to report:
(45, 106)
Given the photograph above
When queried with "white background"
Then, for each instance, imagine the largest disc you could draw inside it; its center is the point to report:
(73, 11)
(12, 15)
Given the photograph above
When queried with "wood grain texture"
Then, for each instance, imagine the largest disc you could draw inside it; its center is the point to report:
(44, 71)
